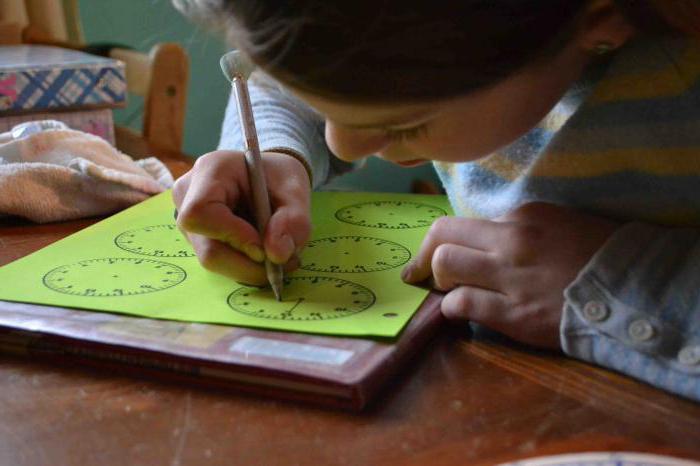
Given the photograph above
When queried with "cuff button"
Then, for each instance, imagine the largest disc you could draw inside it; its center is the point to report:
(595, 311)
(689, 356)
(640, 330)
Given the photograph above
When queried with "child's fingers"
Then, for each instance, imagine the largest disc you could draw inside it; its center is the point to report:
(498, 312)
(180, 188)
(216, 221)
(453, 265)
(476, 234)
(477, 304)
(292, 264)
(218, 257)
(289, 226)
(288, 230)
(205, 211)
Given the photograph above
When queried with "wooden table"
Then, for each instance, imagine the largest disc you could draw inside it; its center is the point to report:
(469, 399)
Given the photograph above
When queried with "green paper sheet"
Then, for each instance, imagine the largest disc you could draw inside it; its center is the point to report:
(137, 262)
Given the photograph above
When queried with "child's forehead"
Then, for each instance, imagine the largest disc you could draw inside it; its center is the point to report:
(367, 114)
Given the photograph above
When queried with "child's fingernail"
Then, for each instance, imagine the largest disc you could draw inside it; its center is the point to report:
(292, 264)
(285, 249)
(254, 251)
(407, 272)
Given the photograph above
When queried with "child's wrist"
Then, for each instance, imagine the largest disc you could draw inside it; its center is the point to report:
(294, 154)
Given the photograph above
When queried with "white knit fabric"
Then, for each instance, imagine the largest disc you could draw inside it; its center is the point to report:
(49, 172)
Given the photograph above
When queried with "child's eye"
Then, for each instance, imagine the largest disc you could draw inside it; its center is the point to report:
(406, 134)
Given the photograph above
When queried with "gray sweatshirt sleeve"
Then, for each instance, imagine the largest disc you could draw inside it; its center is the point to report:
(284, 123)
(635, 307)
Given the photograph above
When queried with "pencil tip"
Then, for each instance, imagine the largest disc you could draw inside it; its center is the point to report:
(276, 291)
(275, 276)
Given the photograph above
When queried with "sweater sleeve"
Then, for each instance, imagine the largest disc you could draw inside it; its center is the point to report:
(286, 124)
(635, 307)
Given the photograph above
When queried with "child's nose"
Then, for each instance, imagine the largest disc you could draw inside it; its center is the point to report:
(353, 144)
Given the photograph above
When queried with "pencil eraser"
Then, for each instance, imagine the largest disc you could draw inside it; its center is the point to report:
(235, 63)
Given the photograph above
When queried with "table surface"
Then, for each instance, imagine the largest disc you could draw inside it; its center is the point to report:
(467, 399)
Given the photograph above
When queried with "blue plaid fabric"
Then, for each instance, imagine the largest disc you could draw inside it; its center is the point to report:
(34, 78)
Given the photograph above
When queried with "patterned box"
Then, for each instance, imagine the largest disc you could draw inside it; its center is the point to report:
(98, 122)
(38, 78)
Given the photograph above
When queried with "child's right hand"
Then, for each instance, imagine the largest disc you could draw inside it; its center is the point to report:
(212, 202)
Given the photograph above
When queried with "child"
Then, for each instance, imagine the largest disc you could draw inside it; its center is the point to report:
(566, 133)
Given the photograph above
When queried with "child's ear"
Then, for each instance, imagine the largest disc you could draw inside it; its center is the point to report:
(603, 27)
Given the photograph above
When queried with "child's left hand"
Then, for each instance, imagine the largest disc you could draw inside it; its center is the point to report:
(510, 274)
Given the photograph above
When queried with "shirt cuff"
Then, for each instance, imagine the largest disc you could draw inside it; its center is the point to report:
(296, 155)
(607, 321)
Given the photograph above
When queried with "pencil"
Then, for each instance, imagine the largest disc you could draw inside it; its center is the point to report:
(237, 73)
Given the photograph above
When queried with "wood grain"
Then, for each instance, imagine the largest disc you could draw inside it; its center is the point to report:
(468, 399)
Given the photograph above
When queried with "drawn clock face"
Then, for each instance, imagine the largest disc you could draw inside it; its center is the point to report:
(112, 277)
(156, 241)
(305, 298)
(351, 254)
(395, 215)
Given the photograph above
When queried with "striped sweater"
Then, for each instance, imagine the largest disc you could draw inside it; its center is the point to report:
(623, 143)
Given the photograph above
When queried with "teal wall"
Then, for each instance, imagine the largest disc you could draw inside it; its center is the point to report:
(140, 24)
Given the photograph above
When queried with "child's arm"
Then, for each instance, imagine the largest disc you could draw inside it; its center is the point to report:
(211, 199)
(635, 307)
(212, 202)
(285, 124)
(627, 298)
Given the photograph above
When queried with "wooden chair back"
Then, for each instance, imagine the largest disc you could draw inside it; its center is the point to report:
(160, 76)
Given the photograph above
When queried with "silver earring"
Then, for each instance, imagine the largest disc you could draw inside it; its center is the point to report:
(601, 48)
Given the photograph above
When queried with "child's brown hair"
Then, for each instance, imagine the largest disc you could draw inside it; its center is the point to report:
(391, 50)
